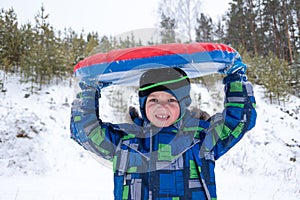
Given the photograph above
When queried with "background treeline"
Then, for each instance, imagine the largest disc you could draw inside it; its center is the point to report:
(40, 54)
(265, 32)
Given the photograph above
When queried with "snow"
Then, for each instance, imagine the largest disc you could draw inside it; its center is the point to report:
(38, 160)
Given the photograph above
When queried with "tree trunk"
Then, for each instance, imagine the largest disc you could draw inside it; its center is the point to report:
(286, 26)
(254, 39)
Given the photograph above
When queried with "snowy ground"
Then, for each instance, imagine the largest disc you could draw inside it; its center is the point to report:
(39, 161)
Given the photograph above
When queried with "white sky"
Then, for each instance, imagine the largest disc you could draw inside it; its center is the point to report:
(109, 17)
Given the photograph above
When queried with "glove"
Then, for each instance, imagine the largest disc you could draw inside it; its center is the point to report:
(199, 114)
(235, 72)
(84, 109)
(83, 112)
(89, 95)
(237, 68)
(135, 117)
(133, 113)
(86, 83)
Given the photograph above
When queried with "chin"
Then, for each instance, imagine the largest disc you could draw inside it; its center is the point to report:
(162, 125)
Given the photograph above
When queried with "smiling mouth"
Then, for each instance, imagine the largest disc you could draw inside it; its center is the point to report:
(162, 117)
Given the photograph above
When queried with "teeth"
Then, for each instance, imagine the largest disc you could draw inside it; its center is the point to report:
(162, 116)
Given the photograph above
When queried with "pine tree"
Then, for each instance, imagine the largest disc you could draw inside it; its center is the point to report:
(272, 73)
(10, 37)
(251, 40)
(27, 61)
(92, 43)
(46, 49)
(204, 29)
(262, 30)
(278, 81)
(2, 36)
(106, 44)
(73, 47)
(219, 33)
(167, 26)
(235, 24)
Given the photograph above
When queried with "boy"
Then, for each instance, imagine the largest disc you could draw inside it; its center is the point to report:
(167, 154)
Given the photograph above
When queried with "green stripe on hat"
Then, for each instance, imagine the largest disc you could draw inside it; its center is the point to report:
(163, 83)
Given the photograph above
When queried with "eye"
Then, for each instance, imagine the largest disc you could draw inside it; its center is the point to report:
(153, 100)
(172, 100)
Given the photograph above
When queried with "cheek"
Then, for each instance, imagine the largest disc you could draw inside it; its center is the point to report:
(175, 111)
(148, 110)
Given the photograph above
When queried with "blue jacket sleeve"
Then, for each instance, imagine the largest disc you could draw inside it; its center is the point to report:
(88, 130)
(238, 117)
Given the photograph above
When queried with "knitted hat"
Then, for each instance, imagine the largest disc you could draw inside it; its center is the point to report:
(172, 80)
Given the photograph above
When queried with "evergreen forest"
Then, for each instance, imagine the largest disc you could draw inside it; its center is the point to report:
(265, 32)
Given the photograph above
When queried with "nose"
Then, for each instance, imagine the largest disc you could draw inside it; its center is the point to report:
(163, 104)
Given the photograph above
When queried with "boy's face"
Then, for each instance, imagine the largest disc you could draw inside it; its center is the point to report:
(162, 109)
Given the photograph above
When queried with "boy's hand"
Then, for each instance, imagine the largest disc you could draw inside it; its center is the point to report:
(85, 84)
(237, 68)
(85, 109)
(235, 72)
(199, 114)
(133, 113)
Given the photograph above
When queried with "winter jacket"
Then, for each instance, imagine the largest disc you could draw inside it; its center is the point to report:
(172, 163)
